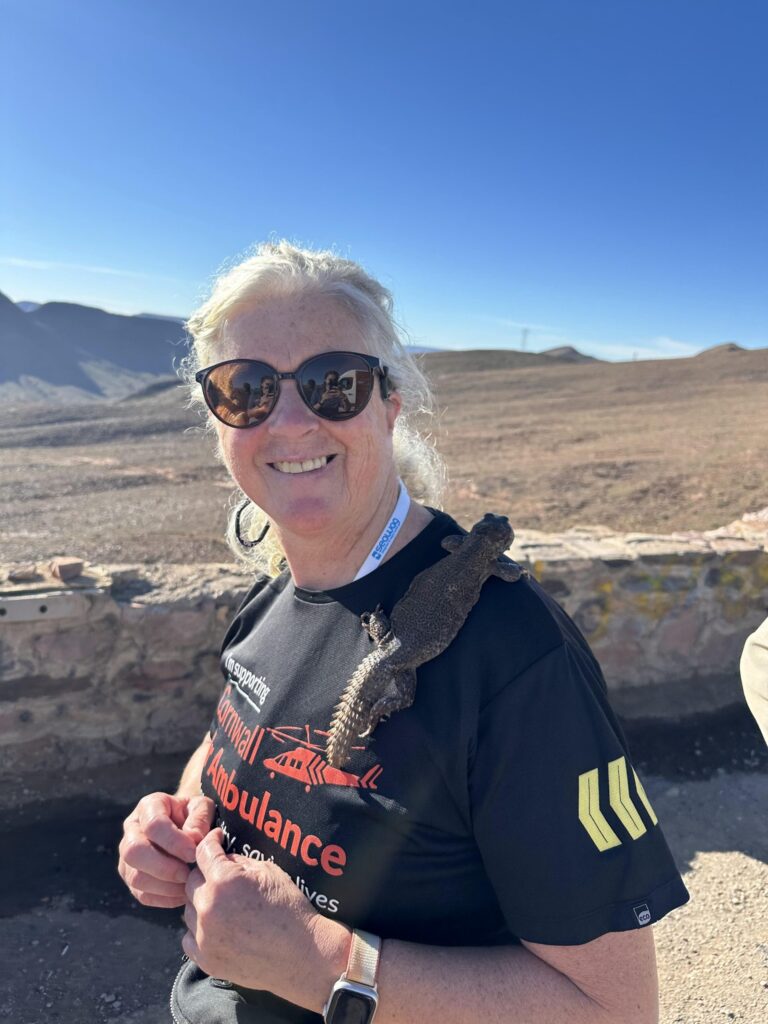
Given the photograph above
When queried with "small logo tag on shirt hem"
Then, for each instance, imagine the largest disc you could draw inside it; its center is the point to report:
(642, 913)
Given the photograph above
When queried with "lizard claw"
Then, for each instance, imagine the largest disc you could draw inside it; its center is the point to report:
(376, 624)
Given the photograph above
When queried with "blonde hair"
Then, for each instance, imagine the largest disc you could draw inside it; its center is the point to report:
(280, 270)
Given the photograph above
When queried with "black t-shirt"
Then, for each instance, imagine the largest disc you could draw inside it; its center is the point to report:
(501, 805)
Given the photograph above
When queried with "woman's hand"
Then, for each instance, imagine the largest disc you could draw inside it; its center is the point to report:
(249, 924)
(159, 841)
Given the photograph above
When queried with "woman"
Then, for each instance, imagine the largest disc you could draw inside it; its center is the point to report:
(493, 834)
(332, 399)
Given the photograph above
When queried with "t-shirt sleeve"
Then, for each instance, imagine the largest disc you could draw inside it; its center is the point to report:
(568, 837)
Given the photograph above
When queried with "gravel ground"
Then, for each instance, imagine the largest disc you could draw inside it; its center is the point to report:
(76, 948)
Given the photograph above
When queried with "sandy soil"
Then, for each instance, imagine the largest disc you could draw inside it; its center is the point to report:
(648, 446)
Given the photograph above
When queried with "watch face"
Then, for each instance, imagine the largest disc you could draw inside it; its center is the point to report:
(349, 1007)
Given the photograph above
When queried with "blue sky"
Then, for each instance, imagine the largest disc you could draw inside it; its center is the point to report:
(593, 171)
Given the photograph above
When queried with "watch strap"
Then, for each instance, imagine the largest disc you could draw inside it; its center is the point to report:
(363, 962)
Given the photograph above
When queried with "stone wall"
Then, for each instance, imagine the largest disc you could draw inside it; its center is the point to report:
(666, 616)
(124, 660)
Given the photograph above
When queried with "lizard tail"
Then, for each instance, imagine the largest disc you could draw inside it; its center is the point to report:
(351, 717)
(347, 722)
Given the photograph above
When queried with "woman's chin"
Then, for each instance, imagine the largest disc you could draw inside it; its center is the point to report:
(308, 516)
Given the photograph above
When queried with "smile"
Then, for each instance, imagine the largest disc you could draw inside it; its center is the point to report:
(306, 466)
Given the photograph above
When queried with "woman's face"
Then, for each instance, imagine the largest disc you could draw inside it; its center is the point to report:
(359, 468)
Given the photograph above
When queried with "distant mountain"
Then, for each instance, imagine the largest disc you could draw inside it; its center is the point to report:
(59, 351)
(419, 350)
(479, 359)
(568, 354)
(157, 316)
(728, 346)
(28, 307)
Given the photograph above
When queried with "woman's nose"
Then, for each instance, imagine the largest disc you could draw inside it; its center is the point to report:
(290, 416)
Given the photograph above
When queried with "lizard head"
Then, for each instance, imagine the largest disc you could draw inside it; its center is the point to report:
(494, 532)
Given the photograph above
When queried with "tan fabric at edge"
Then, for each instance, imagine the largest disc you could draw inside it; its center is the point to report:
(754, 675)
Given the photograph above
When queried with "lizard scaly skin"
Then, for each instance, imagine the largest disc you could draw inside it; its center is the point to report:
(423, 623)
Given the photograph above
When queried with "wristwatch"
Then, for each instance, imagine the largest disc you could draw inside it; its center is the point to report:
(354, 997)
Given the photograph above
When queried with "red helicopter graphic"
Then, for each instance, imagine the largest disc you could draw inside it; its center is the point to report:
(306, 765)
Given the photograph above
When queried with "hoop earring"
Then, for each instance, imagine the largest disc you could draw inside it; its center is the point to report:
(239, 537)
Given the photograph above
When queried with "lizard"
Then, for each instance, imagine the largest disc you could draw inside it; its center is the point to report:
(422, 624)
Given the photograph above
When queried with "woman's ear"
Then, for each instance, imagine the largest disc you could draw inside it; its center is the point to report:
(393, 405)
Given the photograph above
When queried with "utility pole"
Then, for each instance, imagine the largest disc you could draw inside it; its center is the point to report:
(524, 338)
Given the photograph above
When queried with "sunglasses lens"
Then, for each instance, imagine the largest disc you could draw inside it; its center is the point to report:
(240, 394)
(336, 385)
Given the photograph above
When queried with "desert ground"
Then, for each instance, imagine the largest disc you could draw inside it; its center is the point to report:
(651, 446)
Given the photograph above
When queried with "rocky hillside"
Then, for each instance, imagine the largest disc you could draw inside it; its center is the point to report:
(61, 351)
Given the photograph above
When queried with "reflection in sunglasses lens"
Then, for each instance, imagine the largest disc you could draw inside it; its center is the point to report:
(345, 385)
(241, 394)
(335, 385)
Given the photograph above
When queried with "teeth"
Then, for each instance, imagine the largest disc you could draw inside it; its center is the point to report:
(301, 467)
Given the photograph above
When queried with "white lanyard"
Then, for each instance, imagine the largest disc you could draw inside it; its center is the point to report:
(388, 535)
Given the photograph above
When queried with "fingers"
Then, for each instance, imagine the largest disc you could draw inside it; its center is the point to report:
(191, 948)
(156, 814)
(154, 852)
(148, 899)
(188, 942)
(210, 851)
(190, 917)
(178, 809)
(140, 881)
(199, 819)
(194, 882)
(138, 853)
(152, 892)
(159, 844)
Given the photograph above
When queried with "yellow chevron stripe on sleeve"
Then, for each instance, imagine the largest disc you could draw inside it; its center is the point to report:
(590, 815)
(621, 801)
(644, 798)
